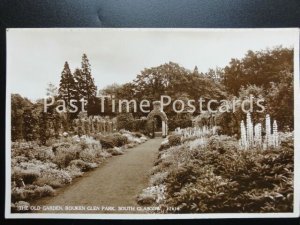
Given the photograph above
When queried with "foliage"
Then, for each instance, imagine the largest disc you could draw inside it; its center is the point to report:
(29, 124)
(164, 146)
(43, 128)
(85, 83)
(218, 177)
(267, 74)
(65, 153)
(31, 192)
(116, 139)
(67, 88)
(182, 123)
(37, 170)
(174, 140)
(172, 79)
(125, 121)
(136, 138)
(116, 151)
(139, 125)
(54, 178)
(280, 101)
(151, 194)
(27, 176)
(260, 68)
(120, 140)
(18, 106)
(82, 165)
(107, 142)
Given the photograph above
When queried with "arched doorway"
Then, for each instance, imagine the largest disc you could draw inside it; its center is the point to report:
(157, 121)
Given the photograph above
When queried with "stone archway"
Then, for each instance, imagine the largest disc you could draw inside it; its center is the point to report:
(157, 111)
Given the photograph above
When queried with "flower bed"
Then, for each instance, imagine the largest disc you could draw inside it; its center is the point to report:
(38, 170)
(212, 174)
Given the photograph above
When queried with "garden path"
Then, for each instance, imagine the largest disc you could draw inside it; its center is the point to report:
(115, 183)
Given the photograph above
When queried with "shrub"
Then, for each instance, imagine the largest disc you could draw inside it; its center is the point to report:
(74, 171)
(44, 153)
(215, 176)
(82, 165)
(198, 189)
(131, 138)
(138, 134)
(28, 176)
(119, 140)
(197, 143)
(164, 146)
(130, 145)
(182, 123)
(65, 153)
(31, 192)
(158, 178)
(90, 155)
(106, 141)
(174, 140)
(89, 142)
(19, 159)
(116, 151)
(125, 121)
(53, 177)
(150, 195)
(23, 152)
(37, 165)
(222, 143)
(139, 125)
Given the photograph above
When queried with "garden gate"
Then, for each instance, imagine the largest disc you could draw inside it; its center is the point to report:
(157, 112)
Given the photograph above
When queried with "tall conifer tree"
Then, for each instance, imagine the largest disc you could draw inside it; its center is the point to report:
(85, 83)
(67, 88)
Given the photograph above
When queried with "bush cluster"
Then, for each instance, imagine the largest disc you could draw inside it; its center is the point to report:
(111, 140)
(119, 140)
(182, 123)
(174, 140)
(30, 192)
(125, 121)
(38, 170)
(139, 125)
(218, 177)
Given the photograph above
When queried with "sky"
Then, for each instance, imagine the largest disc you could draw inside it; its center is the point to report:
(36, 57)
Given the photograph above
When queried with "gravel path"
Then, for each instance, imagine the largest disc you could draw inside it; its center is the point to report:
(116, 183)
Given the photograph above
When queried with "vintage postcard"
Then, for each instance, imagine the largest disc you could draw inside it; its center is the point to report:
(152, 123)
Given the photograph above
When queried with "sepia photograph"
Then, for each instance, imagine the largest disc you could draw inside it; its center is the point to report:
(108, 123)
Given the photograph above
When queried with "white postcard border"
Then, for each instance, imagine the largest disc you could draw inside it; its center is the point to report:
(8, 214)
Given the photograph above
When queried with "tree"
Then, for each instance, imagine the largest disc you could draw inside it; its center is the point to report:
(85, 83)
(173, 80)
(51, 90)
(270, 70)
(44, 132)
(280, 101)
(67, 89)
(110, 90)
(215, 74)
(18, 104)
(260, 68)
(29, 124)
(230, 121)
